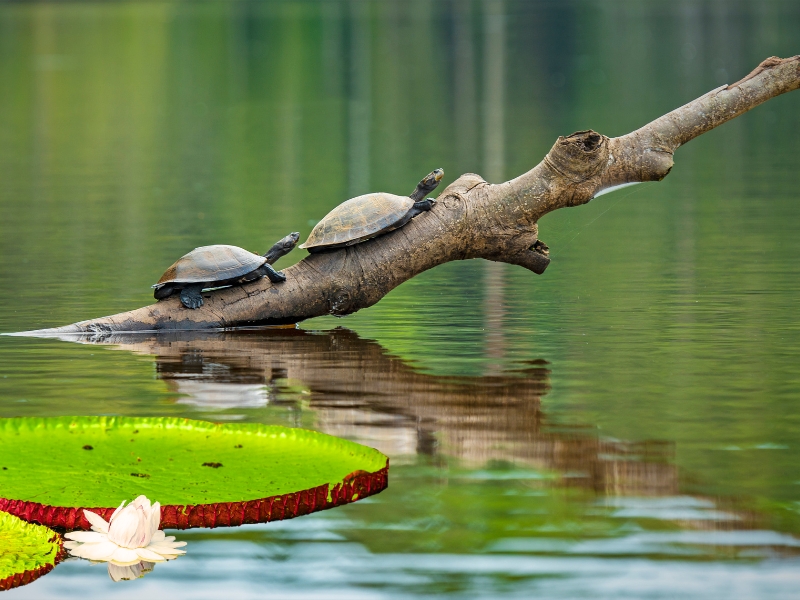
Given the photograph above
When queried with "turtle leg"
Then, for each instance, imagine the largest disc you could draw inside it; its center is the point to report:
(165, 291)
(190, 296)
(274, 276)
(252, 276)
(421, 206)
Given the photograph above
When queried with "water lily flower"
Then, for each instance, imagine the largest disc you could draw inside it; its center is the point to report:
(130, 536)
(130, 572)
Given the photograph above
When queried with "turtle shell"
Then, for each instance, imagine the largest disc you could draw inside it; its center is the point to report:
(359, 219)
(212, 263)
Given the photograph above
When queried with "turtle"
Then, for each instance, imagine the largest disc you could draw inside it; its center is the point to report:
(217, 266)
(365, 217)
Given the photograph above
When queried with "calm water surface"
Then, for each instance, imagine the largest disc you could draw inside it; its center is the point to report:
(625, 426)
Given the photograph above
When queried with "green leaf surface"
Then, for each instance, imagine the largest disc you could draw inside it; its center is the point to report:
(26, 551)
(100, 461)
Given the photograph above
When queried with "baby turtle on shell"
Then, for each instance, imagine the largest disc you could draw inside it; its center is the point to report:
(216, 266)
(365, 217)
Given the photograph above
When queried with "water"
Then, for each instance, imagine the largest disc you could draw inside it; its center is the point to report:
(624, 426)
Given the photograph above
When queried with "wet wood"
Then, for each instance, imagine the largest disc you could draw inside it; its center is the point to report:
(472, 219)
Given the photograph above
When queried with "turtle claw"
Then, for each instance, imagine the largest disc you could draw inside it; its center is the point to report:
(192, 303)
(191, 297)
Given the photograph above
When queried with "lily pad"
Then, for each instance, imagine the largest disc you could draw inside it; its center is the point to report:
(203, 474)
(27, 551)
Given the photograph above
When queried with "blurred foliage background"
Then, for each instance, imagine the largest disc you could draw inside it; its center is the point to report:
(132, 132)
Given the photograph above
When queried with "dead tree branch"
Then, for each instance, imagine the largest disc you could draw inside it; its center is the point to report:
(472, 219)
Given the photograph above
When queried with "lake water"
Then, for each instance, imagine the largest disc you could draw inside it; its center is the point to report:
(626, 425)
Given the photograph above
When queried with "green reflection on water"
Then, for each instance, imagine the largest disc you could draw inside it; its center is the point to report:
(131, 133)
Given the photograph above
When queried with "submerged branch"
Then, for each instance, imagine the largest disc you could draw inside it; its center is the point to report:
(472, 219)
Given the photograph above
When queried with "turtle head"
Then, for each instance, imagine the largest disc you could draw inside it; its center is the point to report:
(282, 247)
(428, 184)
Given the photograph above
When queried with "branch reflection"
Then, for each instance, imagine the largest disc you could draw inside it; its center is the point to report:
(359, 391)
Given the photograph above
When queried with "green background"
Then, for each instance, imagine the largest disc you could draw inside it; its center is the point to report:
(131, 133)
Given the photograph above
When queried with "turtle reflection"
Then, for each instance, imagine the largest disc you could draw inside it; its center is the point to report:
(357, 390)
(214, 384)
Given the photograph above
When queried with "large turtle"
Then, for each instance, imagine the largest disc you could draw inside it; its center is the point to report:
(216, 266)
(368, 216)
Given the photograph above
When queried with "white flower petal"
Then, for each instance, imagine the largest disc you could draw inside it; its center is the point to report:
(130, 538)
(166, 551)
(128, 528)
(166, 557)
(125, 556)
(123, 564)
(154, 520)
(101, 551)
(167, 545)
(148, 554)
(97, 522)
(128, 572)
(120, 573)
(161, 548)
(143, 532)
(158, 536)
(116, 512)
(87, 537)
(142, 502)
(146, 566)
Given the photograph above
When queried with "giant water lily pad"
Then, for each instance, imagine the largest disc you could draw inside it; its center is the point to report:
(27, 551)
(203, 474)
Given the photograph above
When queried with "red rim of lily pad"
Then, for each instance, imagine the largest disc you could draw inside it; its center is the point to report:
(26, 577)
(168, 455)
(30, 575)
(222, 514)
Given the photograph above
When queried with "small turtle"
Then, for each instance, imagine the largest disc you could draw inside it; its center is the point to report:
(368, 216)
(216, 266)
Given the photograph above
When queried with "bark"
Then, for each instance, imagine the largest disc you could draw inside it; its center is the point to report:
(472, 219)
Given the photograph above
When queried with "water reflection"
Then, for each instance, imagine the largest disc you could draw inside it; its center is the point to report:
(129, 572)
(213, 384)
(486, 486)
(357, 390)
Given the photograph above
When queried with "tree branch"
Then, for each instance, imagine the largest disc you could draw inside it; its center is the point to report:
(472, 219)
